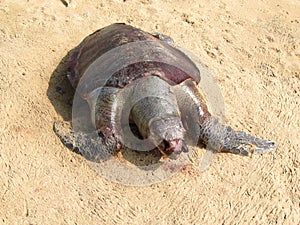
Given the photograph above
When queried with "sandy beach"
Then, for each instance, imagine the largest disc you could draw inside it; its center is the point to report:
(253, 50)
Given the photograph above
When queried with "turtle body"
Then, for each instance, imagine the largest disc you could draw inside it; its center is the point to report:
(152, 89)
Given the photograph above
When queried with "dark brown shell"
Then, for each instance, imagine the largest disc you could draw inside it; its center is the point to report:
(115, 35)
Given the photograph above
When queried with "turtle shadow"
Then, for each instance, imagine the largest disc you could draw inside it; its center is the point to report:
(60, 92)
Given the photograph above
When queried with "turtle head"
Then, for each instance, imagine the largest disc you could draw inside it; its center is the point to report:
(156, 113)
(168, 135)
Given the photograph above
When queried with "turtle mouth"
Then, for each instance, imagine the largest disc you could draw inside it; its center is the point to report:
(171, 148)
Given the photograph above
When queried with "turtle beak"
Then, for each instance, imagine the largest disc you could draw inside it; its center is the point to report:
(173, 148)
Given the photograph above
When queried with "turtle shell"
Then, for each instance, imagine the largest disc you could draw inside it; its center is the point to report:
(166, 61)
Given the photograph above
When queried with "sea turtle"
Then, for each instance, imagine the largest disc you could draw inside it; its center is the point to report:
(129, 76)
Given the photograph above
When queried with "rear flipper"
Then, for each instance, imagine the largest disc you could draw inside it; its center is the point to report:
(93, 146)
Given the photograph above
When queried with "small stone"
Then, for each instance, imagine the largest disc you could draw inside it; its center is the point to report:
(66, 2)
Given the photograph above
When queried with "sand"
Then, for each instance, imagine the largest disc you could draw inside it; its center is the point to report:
(252, 48)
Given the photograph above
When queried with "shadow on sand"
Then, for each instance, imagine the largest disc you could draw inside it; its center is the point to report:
(60, 92)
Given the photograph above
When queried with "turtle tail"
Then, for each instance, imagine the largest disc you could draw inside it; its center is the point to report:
(221, 138)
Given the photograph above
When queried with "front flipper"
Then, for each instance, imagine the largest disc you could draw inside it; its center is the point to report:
(93, 146)
(240, 142)
(210, 132)
(220, 138)
(225, 139)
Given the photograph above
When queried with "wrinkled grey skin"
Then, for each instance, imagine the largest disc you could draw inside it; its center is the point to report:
(171, 117)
